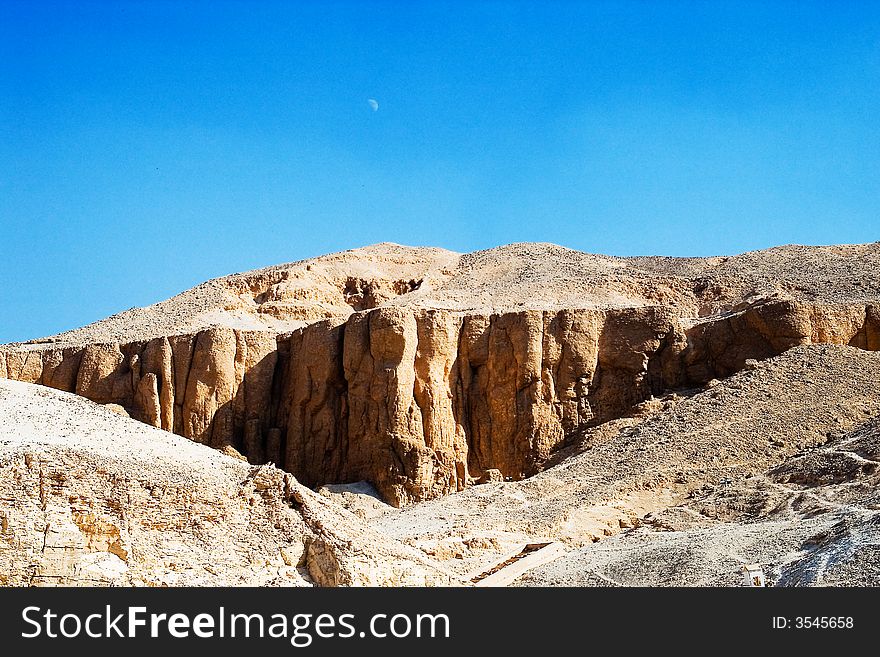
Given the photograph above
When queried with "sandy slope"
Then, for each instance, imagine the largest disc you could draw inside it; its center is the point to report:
(812, 520)
(688, 450)
(90, 497)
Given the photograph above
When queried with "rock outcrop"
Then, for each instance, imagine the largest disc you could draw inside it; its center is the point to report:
(91, 498)
(193, 385)
(424, 402)
(786, 439)
(382, 383)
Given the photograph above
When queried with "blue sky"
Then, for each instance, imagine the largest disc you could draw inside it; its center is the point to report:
(148, 146)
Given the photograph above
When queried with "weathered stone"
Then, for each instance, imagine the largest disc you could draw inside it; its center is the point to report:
(147, 400)
(116, 408)
(103, 374)
(60, 368)
(421, 401)
(25, 366)
(119, 503)
(273, 446)
(210, 387)
(158, 360)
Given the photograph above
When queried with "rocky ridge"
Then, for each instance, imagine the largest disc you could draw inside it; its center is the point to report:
(424, 371)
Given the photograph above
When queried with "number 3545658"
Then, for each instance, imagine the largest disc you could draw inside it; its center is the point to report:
(823, 622)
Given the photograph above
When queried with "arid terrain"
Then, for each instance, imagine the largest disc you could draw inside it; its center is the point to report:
(412, 416)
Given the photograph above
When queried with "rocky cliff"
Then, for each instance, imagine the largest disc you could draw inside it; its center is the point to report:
(422, 402)
(423, 371)
(717, 455)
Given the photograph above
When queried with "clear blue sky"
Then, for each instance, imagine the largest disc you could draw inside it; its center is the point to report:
(148, 146)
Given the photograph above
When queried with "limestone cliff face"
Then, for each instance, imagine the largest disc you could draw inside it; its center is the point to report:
(424, 402)
(719, 347)
(194, 385)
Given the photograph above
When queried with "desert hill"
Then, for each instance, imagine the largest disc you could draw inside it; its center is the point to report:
(813, 520)
(692, 412)
(421, 370)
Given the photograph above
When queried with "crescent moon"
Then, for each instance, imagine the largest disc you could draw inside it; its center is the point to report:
(373, 103)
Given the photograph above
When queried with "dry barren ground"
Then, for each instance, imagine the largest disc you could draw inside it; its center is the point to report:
(658, 474)
(90, 497)
(674, 496)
